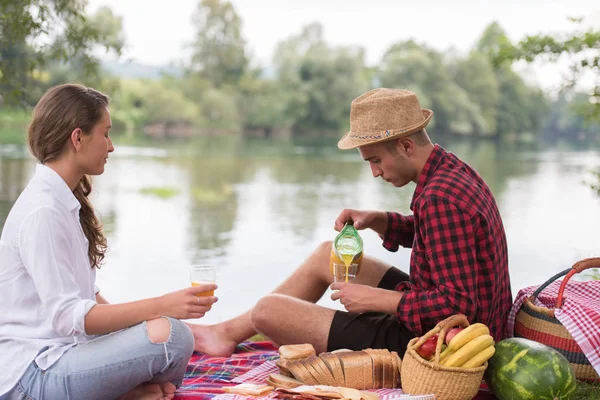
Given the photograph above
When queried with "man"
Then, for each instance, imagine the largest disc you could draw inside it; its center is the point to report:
(458, 262)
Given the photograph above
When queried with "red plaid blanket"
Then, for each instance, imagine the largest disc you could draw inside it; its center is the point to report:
(251, 363)
(580, 313)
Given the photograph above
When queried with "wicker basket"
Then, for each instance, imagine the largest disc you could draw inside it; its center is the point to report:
(539, 324)
(420, 376)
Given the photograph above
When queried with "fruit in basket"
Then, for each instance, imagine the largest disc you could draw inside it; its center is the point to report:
(468, 351)
(463, 337)
(480, 358)
(451, 333)
(428, 348)
(524, 369)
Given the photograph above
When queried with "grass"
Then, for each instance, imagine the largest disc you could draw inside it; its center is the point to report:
(586, 391)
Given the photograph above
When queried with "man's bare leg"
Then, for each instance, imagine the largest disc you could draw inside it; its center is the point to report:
(309, 282)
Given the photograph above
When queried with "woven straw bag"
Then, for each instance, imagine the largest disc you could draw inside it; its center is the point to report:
(420, 376)
(539, 324)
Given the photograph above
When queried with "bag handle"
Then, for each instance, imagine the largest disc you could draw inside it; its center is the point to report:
(578, 267)
(442, 328)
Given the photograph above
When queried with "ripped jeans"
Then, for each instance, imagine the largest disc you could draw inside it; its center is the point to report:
(109, 366)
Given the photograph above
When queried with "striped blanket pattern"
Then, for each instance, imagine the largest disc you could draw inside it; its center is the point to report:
(251, 363)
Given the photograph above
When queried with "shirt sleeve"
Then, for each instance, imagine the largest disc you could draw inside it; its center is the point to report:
(449, 236)
(400, 231)
(44, 248)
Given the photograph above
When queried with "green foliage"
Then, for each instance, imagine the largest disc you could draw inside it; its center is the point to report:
(140, 103)
(34, 33)
(219, 49)
(476, 76)
(581, 46)
(318, 81)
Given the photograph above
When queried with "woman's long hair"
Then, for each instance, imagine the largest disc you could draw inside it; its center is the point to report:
(59, 112)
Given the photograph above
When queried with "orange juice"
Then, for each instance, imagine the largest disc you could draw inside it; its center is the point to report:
(345, 259)
(208, 293)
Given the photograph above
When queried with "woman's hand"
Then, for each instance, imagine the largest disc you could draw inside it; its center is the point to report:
(375, 220)
(185, 304)
(362, 298)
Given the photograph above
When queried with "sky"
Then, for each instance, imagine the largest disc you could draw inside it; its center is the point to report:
(158, 32)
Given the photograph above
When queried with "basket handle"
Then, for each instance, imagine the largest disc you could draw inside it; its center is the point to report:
(569, 272)
(442, 328)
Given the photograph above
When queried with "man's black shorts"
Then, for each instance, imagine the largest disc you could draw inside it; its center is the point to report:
(371, 330)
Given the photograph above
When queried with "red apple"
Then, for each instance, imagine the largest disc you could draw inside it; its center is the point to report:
(428, 348)
(451, 333)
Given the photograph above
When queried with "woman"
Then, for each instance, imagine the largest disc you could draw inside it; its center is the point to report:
(59, 338)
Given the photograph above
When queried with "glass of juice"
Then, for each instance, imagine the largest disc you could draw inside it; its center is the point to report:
(202, 274)
(343, 272)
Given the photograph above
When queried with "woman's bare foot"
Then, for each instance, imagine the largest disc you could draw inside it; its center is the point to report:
(151, 391)
(212, 340)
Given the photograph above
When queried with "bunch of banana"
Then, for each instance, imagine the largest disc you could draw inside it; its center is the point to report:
(470, 348)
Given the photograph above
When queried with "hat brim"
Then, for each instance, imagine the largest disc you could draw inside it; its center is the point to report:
(352, 140)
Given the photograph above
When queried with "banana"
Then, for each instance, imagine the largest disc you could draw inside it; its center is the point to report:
(468, 351)
(480, 358)
(463, 337)
(466, 335)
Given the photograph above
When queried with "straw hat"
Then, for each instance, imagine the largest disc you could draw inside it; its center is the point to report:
(384, 114)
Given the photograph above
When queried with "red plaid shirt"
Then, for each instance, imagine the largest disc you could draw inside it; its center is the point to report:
(459, 258)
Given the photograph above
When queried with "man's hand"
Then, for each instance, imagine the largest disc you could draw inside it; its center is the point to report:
(362, 298)
(375, 220)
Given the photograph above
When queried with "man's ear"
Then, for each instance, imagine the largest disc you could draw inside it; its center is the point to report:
(76, 136)
(405, 146)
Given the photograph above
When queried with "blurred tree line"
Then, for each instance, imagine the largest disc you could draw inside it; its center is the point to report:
(306, 91)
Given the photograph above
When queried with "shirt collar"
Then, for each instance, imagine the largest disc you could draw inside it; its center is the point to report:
(437, 154)
(59, 186)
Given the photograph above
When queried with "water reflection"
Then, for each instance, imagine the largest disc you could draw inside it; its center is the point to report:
(256, 209)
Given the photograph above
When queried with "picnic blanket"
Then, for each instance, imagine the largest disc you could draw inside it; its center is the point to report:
(580, 313)
(252, 362)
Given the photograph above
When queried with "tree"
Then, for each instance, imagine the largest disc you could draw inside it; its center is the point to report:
(34, 33)
(219, 54)
(581, 46)
(318, 81)
(521, 108)
(425, 71)
(476, 76)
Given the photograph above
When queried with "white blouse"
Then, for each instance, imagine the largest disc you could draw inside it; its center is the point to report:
(46, 282)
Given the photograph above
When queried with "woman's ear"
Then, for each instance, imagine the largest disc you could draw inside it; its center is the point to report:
(76, 139)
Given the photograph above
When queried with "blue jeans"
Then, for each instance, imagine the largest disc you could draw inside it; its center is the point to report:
(109, 366)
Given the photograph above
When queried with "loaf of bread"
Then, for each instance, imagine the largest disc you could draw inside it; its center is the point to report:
(365, 369)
